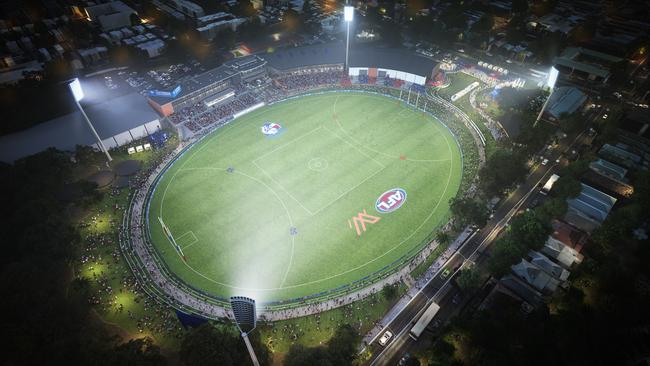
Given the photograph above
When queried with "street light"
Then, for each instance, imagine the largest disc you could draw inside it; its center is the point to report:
(348, 15)
(78, 94)
(550, 83)
(246, 319)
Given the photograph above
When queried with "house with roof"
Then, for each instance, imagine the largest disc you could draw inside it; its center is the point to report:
(608, 176)
(535, 277)
(563, 254)
(564, 100)
(118, 121)
(555, 270)
(501, 294)
(589, 209)
(521, 289)
(111, 15)
(586, 64)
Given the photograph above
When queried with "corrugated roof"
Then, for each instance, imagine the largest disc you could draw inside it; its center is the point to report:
(593, 203)
(565, 99)
(64, 133)
(334, 53)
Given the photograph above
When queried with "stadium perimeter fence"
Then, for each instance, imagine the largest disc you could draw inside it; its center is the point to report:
(467, 146)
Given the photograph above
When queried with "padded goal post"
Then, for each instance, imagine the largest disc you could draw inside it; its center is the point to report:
(169, 236)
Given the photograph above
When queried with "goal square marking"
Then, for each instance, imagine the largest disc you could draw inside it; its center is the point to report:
(186, 240)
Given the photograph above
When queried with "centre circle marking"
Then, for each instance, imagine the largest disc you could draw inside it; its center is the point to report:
(317, 164)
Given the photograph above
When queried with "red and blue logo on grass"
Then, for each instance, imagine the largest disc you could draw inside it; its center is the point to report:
(391, 200)
(271, 128)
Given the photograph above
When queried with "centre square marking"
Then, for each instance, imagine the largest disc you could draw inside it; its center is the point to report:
(314, 190)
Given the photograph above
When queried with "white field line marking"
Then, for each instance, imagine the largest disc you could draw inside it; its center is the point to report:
(288, 143)
(194, 241)
(282, 187)
(354, 147)
(364, 264)
(290, 222)
(379, 152)
(291, 259)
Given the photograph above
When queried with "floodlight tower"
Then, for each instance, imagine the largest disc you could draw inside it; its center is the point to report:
(78, 94)
(246, 319)
(348, 15)
(550, 83)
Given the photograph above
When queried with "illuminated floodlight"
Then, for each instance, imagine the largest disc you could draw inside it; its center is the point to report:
(78, 94)
(243, 309)
(552, 77)
(75, 87)
(348, 13)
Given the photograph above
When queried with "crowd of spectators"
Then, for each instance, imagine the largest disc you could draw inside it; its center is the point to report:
(310, 80)
(199, 116)
(112, 285)
(187, 113)
(496, 129)
(481, 75)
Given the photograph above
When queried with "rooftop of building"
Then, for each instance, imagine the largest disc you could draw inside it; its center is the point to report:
(360, 56)
(64, 133)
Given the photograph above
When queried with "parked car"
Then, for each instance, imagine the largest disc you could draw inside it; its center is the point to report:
(385, 338)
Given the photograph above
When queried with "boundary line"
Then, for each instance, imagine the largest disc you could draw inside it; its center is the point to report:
(259, 111)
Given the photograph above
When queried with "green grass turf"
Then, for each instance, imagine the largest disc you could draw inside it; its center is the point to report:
(336, 155)
(458, 82)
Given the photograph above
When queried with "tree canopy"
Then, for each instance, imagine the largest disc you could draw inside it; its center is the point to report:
(48, 318)
(209, 345)
(467, 211)
(503, 170)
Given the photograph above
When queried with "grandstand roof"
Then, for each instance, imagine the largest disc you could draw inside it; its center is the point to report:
(245, 63)
(197, 82)
(221, 73)
(360, 56)
(64, 133)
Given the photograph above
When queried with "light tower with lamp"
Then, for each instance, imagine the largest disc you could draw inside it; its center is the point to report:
(348, 15)
(78, 94)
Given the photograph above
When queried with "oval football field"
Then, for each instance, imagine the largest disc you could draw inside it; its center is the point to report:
(305, 196)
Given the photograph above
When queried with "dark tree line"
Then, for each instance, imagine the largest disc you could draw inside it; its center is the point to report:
(46, 317)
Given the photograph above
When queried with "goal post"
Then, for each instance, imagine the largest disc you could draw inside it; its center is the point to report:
(169, 236)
